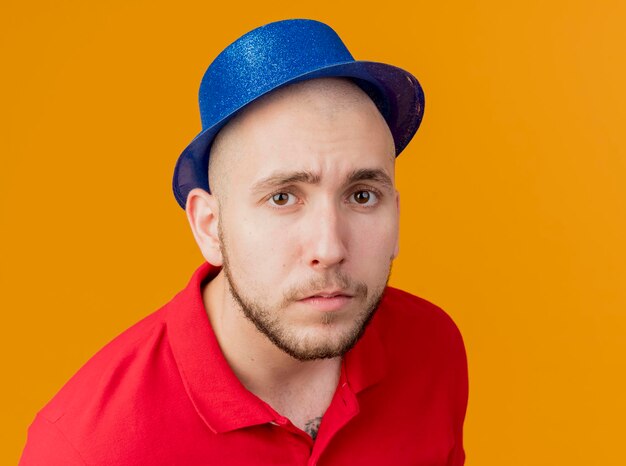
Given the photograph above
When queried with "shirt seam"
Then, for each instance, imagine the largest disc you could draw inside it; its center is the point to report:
(54, 426)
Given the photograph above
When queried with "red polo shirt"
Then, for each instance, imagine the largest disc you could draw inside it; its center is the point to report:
(162, 393)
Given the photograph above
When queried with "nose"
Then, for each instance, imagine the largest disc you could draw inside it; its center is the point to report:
(327, 237)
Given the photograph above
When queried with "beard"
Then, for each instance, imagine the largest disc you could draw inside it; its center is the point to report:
(268, 321)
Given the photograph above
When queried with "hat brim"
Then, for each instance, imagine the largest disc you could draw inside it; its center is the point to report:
(396, 93)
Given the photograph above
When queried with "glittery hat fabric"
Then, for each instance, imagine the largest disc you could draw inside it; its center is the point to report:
(282, 53)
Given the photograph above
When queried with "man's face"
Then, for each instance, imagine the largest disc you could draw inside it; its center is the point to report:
(309, 226)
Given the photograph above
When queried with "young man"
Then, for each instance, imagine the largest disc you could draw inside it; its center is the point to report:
(287, 346)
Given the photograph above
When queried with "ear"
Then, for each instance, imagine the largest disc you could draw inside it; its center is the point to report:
(202, 211)
(396, 249)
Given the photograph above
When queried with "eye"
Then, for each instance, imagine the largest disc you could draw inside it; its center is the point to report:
(283, 199)
(364, 197)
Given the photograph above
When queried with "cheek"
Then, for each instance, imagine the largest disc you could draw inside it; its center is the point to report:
(374, 236)
(372, 246)
(262, 245)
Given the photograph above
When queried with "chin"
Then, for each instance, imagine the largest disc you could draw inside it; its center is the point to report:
(324, 341)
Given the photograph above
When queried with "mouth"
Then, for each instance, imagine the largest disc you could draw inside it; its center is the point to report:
(327, 301)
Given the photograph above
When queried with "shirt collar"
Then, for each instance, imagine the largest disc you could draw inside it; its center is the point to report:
(218, 396)
(366, 363)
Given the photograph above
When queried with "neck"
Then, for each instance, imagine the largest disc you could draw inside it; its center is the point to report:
(264, 369)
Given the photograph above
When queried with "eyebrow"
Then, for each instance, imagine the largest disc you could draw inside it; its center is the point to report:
(303, 176)
(371, 174)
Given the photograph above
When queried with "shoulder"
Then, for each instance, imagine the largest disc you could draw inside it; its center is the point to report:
(113, 372)
(412, 314)
(114, 396)
(427, 363)
(411, 325)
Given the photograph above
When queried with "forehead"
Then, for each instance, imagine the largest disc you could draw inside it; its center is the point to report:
(327, 128)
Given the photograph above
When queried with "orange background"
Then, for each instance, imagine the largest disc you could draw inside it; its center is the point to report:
(513, 195)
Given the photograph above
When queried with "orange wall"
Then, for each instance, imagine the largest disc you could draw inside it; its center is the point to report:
(513, 195)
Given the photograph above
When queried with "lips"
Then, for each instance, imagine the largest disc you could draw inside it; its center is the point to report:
(326, 295)
(329, 294)
(326, 301)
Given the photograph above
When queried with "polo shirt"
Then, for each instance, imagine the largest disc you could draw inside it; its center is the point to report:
(162, 393)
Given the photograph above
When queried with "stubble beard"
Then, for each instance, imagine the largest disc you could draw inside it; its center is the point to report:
(268, 320)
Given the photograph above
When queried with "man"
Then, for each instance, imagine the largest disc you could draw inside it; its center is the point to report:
(287, 346)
